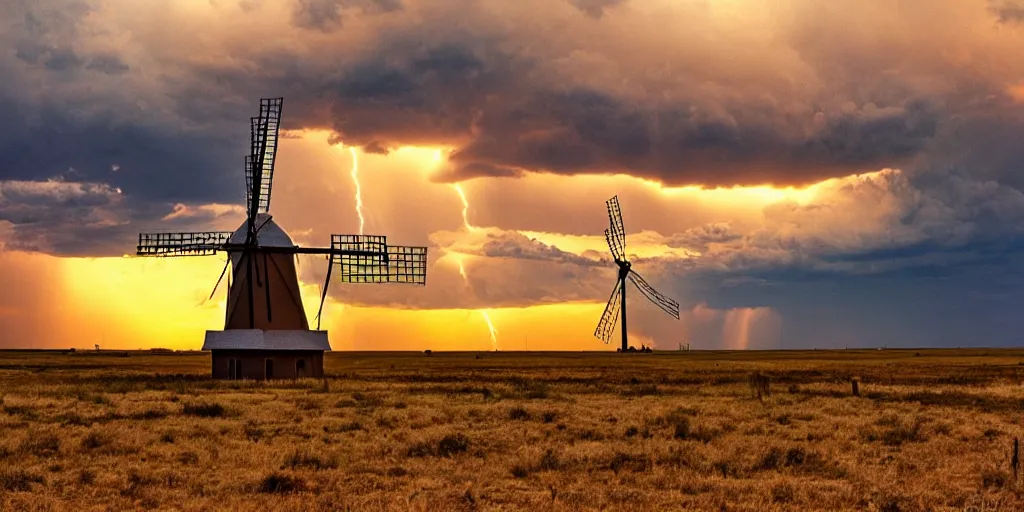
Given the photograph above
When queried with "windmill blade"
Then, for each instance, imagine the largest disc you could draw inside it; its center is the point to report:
(618, 230)
(202, 243)
(249, 177)
(323, 293)
(667, 304)
(399, 264)
(263, 154)
(384, 263)
(606, 326)
(253, 176)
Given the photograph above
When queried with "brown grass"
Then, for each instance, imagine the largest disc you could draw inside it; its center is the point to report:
(462, 431)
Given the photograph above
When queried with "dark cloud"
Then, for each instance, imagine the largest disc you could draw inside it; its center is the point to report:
(414, 93)
(67, 218)
(700, 237)
(108, 64)
(583, 131)
(970, 307)
(63, 218)
(479, 97)
(325, 15)
(152, 163)
(595, 8)
(510, 244)
(887, 223)
(1008, 11)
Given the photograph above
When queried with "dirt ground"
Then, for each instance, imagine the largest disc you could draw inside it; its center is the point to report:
(931, 430)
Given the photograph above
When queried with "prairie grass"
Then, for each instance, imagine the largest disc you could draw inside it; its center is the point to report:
(488, 431)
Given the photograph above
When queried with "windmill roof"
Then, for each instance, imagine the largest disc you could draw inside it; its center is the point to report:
(269, 234)
(259, 339)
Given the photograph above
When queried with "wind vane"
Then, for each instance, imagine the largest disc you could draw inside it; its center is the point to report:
(265, 321)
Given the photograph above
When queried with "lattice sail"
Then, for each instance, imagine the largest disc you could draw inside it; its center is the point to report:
(264, 136)
(667, 304)
(610, 317)
(248, 181)
(407, 264)
(182, 244)
(356, 268)
(375, 244)
(616, 235)
(377, 262)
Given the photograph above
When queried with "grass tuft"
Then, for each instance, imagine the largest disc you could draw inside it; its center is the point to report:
(204, 410)
(282, 483)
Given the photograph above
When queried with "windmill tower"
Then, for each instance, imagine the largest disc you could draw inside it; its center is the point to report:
(266, 334)
(616, 237)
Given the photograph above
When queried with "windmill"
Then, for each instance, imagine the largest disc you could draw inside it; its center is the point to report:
(616, 237)
(265, 321)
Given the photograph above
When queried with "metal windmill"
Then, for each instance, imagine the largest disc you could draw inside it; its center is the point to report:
(616, 237)
(263, 291)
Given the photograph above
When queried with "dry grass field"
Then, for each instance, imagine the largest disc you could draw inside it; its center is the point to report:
(932, 430)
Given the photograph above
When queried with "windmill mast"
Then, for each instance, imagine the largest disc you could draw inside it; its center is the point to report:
(622, 291)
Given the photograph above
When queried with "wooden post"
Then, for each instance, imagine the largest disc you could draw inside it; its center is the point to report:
(855, 381)
(1015, 460)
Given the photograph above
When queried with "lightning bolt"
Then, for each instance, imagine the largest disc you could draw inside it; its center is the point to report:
(465, 208)
(483, 312)
(490, 327)
(462, 269)
(359, 191)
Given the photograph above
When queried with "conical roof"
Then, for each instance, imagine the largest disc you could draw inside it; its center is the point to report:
(268, 234)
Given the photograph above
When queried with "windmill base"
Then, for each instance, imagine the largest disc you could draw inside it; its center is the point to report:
(263, 355)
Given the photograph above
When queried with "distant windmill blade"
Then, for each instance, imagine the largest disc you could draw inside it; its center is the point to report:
(606, 326)
(613, 246)
(221, 278)
(667, 304)
(618, 229)
(323, 293)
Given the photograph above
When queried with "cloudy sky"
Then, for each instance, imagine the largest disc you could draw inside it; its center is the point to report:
(795, 173)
